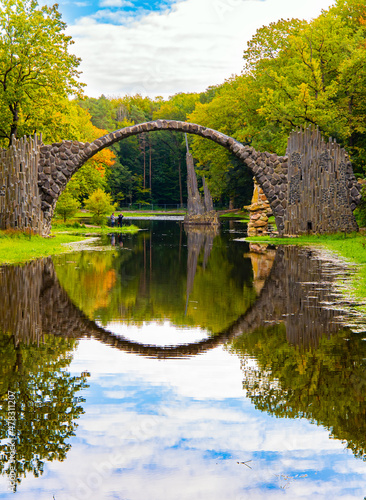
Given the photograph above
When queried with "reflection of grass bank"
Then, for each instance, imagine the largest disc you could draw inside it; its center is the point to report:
(85, 214)
(85, 230)
(351, 247)
(17, 247)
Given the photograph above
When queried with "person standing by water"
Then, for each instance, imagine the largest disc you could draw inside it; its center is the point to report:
(112, 219)
(120, 219)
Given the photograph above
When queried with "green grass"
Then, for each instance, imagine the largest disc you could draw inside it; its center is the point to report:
(348, 245)
(243, 216)
(16, 248)
(351, 247)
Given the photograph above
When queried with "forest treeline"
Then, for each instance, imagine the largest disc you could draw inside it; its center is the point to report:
(295, 74)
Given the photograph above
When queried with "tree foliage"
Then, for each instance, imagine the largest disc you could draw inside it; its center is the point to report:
(46, 404)
(36, 69)
(100, 204)
(66, 206)
(295, 74)
(324, 384)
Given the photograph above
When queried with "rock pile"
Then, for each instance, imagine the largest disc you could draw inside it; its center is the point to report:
(259, 210)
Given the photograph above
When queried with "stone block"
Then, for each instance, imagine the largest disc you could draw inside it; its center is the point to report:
(259, 223)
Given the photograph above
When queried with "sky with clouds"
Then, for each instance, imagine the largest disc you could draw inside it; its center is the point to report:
(181, 429)
(163, 47)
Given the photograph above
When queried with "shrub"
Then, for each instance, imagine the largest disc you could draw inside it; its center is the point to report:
(99, 204)
(67, 206)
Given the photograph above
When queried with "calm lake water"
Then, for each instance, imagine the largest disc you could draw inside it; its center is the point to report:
(181, 365)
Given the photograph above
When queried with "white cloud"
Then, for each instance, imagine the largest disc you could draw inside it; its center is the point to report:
(194, 44)
(191, 377)
(158, 333)
(115, 3)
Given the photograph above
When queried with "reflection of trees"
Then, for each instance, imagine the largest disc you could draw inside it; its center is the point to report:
(33, 368)
(46, 405)
(148, 281)
(326, 385)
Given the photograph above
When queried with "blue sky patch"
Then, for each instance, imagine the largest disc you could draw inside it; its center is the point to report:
(111, 11)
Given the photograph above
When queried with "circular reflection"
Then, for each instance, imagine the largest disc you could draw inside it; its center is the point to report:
(157, 334)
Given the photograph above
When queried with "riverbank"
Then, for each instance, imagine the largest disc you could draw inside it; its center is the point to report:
(17, 247)
(350, 247)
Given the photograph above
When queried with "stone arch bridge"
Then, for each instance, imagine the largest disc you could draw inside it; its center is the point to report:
(311, 188)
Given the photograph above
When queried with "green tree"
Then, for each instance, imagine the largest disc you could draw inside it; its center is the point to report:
(36, 68)
(101, 110)
(177, 107)
(86, 181)
(67, 205)
(228, 111)
(313, 74)
(100, 204)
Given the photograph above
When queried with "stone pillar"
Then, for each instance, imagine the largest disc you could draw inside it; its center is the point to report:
(259, 211)
(20, 200)
(199, 211)
(195, 205)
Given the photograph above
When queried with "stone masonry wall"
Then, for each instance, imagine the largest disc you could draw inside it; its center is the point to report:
(322, 192)
(20, 200)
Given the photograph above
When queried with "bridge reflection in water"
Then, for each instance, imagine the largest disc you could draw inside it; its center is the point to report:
(296, 320)
(295, 289)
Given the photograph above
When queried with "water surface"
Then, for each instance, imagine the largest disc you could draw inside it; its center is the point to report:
(181, 364)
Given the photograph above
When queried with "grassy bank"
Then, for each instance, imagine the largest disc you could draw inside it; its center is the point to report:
(351, 247)
(16, 247)
(244, 216)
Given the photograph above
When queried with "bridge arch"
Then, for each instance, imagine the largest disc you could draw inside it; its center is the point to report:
(58, 162)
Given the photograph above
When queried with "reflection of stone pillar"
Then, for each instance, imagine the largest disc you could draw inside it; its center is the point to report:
(20, 313)
(262, 261)
(259, 212)
(198, 237)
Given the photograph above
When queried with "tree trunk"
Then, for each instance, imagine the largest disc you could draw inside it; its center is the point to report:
(14, 126)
